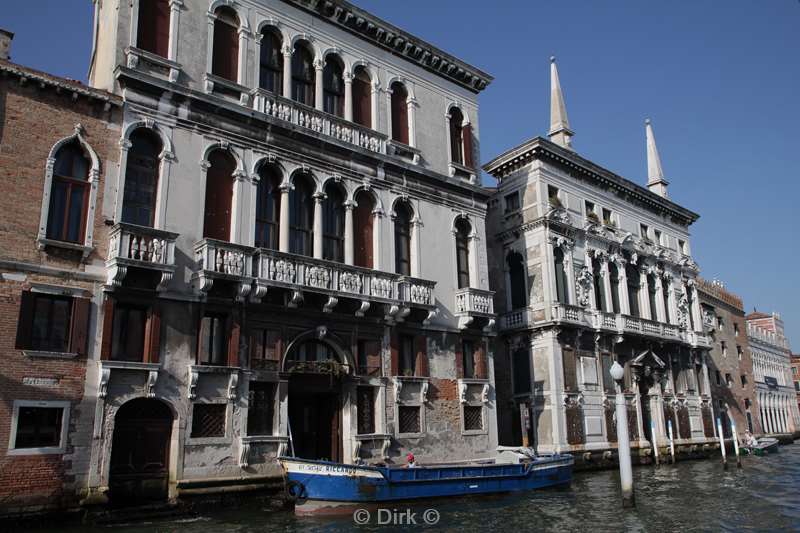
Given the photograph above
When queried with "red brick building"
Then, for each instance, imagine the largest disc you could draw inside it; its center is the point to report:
(58, 139)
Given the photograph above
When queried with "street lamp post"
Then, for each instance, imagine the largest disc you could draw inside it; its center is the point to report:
(623, 440)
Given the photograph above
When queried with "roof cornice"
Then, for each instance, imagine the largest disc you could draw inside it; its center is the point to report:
(401, 43)
(43, 79)
(540, 148)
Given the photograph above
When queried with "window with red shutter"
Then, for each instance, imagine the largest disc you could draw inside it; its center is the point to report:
(399, 112)
(362, 221)
(219, 196)
(153, 26)
(466, 132)
(225, 59)
(456, 136)
(362, 97)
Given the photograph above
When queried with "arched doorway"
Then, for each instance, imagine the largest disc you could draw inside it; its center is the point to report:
(316, 396)
(140, 452)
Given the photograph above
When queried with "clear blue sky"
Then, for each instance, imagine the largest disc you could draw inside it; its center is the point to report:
(719, 78)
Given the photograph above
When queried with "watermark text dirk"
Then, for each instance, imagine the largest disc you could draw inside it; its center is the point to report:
(396, 517)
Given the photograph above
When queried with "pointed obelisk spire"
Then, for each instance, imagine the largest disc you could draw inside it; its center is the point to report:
(655, 174)
(559, 123)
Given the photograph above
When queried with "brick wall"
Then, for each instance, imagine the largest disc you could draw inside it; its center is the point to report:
(33, 117)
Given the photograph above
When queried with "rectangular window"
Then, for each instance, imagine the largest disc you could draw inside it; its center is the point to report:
(407, 356)
(744, 380)
(736, 329)
(473, 418)
(728, 380)
(369, 357)
(553, 196)
(212, 344)
(38, 427)
(366, 410)
(52, 323)
(608, 219)
(128, 337)
(659, 238)
(721, 323)
(682, 247)
(644, 231)
(408, 419)
(591, 211)
(260, 408)
(570, 369)
(739, 352)
(208, 420)
(512, 202)
(718, 377)
(468, 358)
(521, 371)
(724, 348)
(265, 349)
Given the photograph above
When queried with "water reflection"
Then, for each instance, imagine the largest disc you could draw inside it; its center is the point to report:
(690, 496)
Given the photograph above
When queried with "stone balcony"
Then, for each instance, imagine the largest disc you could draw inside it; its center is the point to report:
(255, 272)
(145, 250)
(606, 322)
(318, 121)
(474, 305)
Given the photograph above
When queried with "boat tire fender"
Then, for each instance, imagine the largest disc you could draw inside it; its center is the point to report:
(295, 490)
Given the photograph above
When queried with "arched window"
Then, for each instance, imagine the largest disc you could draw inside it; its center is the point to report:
(66, 219)
(301, 216)
(363, 223)
(599, 289)
(399, 112)
(463, 230)
(268, 207)
(333, 224)
(456, 136)
(651, 293)
(225, 60)
(152, 28)
(302, 75)
(613, 277)
(219, 195)
(313, 351)
(402, 239)
(562, 294)
(362, 97)
(633, 289)
(333, 86)
(516, 278)
(271, 62)
(141, 178)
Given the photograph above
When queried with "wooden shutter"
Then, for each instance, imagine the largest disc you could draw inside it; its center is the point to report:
(108, 328)
(460, 358)
(25, 322)
(363, 234)
(152, 336)
(466, 132)
(570, 370)
(362, 102)
(399, 116)
(79, 333)
(225, 61)
(219, 196)
(161, 23)
(233, 339)
(421, 360)
(394, 352)
(145, 28)
(481, 369)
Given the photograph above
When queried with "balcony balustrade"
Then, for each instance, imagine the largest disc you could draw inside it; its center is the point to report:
(140, 247)
(474, 304)
(609, 322)
(318, 121)
(219, 260)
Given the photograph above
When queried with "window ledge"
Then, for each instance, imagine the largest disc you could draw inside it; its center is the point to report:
(49, 355)
(463, 171)
(373, 436)
(214, 369)
(43, 243)
(205, 441)
(474, 432)
(130, 365)
(264, 438)
(134, 55)
(399, 149)
(52, 450)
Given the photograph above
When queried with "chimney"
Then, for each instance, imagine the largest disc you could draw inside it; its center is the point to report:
(5, 44)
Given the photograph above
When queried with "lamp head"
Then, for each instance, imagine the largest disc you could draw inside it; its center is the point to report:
(617, 372)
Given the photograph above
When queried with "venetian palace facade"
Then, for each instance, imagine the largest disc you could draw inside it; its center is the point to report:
(591, 267)
(259, 280)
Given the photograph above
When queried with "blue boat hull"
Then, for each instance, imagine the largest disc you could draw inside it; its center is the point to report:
(334, 482)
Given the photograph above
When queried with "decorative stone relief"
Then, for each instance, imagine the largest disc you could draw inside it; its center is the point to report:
(584, 282)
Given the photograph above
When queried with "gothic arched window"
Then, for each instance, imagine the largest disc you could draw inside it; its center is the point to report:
(271, 62)
(141, 178)
(399, 112)
(333, 86)
(219, 196)
(69, 196)
(303, 75)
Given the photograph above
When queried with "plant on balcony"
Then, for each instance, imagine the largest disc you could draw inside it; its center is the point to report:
(592, 216)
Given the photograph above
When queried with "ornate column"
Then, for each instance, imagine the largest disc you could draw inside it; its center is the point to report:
(174, 26)
(287, 71)
(377, 229)
(624, 304)
(695, 310)
(416, 266)
(570, 267)
(374, 96)
(318, 198)
(659, 311)
(318, 99)
(244, 35)
(412, 128)
(283, 221)
(472, 250)
(644, 293)
(588, 265)
(673, 306)
(348, 96)
(238, 210)
(604, 274)
(349, 234)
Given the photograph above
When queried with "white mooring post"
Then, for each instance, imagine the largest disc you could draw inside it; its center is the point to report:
(722, 443)
(736, 443)
(671, 441)
(623, 440)
(655, 443)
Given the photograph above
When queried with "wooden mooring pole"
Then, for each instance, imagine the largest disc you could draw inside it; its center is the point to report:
(655, 443)
(671, 441)
(722, 443)
(736, 444)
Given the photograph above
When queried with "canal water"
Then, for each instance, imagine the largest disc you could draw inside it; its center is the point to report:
(691, 496)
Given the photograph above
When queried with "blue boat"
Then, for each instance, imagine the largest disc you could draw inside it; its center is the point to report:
(324, 484)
